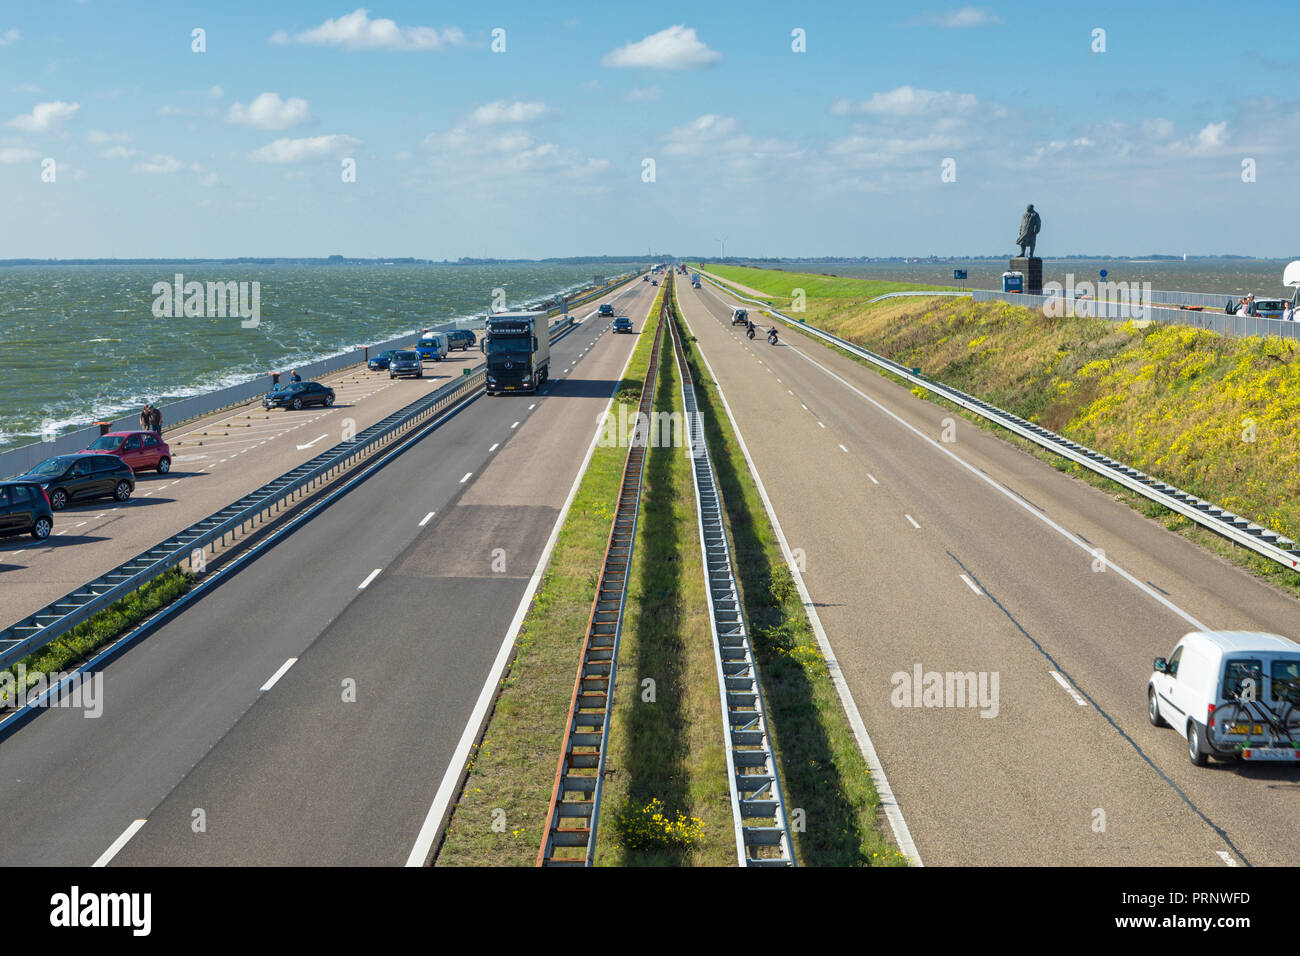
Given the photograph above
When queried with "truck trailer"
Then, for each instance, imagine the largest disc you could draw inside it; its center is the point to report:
(518, 350)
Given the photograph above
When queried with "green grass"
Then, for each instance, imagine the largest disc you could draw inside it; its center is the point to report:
(500, 815)
(824, 295)
(76, 647)
(669, 749)
(822, 770)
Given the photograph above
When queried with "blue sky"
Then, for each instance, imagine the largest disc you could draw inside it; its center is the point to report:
(541, 149)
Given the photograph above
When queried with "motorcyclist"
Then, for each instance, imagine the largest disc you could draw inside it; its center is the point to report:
(750, 331)
(771, 335)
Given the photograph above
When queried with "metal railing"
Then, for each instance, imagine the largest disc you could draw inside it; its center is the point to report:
(580, 772)
(1261, 540)
(758, 809)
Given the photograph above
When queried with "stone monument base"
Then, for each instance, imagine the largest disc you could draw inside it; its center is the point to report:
(1032, 267)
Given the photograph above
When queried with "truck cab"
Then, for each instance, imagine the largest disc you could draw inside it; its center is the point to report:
(518, 350)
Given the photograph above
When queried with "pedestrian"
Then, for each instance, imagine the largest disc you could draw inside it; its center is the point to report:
(146, 416)
(157, 420)
(1288, 314)
(295, 377)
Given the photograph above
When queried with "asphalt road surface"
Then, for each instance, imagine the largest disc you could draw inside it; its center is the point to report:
(930, 543)
(390, 603)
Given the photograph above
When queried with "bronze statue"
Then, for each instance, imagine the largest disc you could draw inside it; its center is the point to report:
(1030, 224)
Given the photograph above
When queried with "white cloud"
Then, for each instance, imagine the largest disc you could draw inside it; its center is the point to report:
(676, 48)
(504, 111)
(18, 154)
(961, 18)
(162, 165)
(643, 94)
(45, 116)
(300, 150)
(216, 92)
(907, 101)
(356, 31)
(269, 111)
(706, 132)
(9, 36)
(1158, 127)
(118, 152)
(98, 137)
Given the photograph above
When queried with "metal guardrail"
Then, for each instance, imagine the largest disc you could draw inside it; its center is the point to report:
(757, 804)
(1261, 540)
(56, 619)
(580, 772)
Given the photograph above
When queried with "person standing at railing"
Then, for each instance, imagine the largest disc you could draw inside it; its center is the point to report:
(1288, 314)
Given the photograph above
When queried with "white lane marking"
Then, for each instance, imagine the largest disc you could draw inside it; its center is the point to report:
(310, 443)
(425, 519)
(843, 449)
(456, 766)
(466, 478)
(78, 525)
(515, 425)
(822, 424)
(803, 406)
(873, 478)
(888, 802)
(913, 520)
(1226, 857)
(788, 392)
(532, 406)
(971, 584)
(1070, 690)
(116, 847)
(1006, 492)
(281, 672)
(494, 447)
(369, 577)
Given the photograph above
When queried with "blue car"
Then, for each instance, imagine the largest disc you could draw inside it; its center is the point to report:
(430, 348)
(381, 361)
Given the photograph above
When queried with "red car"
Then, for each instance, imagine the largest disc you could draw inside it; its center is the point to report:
(143, 451)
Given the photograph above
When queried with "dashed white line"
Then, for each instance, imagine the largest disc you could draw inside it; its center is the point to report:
(1226, 857)
(822, 424)
(1070, 690)
(803, 406)
(515, 425)
(494, 447)
(369, 577)
(281, 672)
(425, 519)
(843, 449)
(971, 584)
(532, 406)
(913, 520)
(107, 856)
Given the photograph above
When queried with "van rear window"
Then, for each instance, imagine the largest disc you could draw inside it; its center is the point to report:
(1237, 672)
(1285, 679)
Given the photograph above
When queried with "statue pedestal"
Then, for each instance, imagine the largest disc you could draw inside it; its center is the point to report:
(1032, 267)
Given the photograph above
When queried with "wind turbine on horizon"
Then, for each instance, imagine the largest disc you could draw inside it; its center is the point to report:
(722, 250)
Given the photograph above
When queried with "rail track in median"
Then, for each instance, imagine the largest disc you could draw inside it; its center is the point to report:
(574, 810)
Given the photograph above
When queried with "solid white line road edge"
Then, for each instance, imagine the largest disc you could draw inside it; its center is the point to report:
(284, 668)
(433, 820)
(893, 812)
(107, 856)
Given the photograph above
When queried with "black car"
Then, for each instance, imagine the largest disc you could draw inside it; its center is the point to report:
(606, 309)
(404, 363)
(461, 339)
(66, 478)
(24, 508)
(297, 394)
(380, 361)
(622, 324)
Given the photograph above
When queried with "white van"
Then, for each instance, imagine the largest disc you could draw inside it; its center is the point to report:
(1232, 694)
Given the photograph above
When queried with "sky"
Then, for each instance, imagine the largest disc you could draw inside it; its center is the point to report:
(529, 130)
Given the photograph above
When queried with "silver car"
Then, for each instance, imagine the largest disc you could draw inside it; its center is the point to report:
(406, 364)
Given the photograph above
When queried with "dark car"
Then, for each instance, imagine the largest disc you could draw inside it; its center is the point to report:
(622, 324)
(605, 309)
(297, 394)
(380, 361)
(406, 363)
(461, 339)
(143, 451)
(739, 316)
(25, 508)
(66, 478)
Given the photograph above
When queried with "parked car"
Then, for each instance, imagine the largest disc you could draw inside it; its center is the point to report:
(24, 507)
(406, 363)
(646, 277)
(622, 324)
(380, 361)
(461, 339)
(143, 451)
(605, 309)
(432, 347)
(1269, 308)
(1232, 694)
(739, 316)
(297, 394)
(66, 478)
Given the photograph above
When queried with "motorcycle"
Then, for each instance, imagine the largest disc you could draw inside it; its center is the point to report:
(750, 332)
(771, 337)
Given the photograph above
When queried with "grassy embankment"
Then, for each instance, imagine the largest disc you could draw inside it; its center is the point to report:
(822, 771)
(513, 767)
(1213, 415)
(77, 646)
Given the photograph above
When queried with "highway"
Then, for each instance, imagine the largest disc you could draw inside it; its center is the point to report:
(930, 543)
(304, 712)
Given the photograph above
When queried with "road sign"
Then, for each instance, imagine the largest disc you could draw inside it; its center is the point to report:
(959, 273)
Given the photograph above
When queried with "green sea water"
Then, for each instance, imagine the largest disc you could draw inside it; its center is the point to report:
(79, 343)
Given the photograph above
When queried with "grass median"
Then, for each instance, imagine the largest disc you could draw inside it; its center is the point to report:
(500, 815)
(823, 772)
